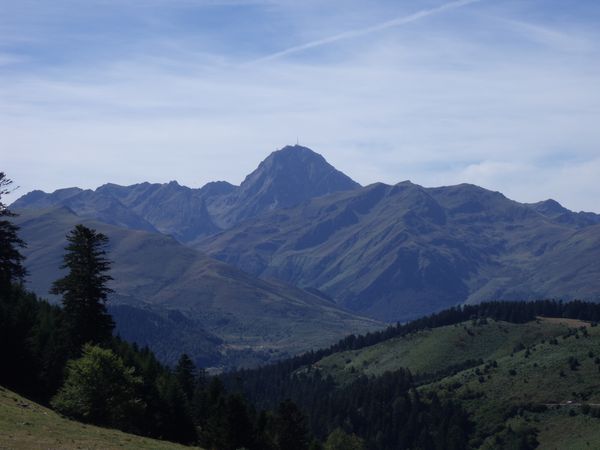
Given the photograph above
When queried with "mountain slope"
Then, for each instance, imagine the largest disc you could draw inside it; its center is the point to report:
(439, 349)
(398, 252)
(220, 314)
(28, 425)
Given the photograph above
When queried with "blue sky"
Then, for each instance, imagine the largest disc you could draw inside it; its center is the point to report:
(501, 93)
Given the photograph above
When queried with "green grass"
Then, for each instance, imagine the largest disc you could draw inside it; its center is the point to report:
(540, 375)
(27, 425)
(430, 351)
(558, 431)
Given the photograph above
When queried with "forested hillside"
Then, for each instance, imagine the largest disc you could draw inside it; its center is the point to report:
(505, 375)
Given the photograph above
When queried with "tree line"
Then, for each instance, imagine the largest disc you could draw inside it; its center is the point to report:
(67, 356)
(507, 311)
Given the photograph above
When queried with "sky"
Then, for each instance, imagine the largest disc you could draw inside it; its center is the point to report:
(504, 94)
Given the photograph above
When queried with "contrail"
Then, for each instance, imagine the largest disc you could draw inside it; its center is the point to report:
(363, 31)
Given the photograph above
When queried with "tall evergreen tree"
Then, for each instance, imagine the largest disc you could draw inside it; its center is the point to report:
(185, 371)
(291, 427)
(11, 260)
(84, 288)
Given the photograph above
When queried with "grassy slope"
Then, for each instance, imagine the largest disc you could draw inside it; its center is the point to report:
(541, 376)
(433, 350)
(537, 375)
(27, 425)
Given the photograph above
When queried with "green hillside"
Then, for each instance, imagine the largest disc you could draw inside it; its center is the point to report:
(434, 350)
(532, 382)
(27, 425)
(545, 386)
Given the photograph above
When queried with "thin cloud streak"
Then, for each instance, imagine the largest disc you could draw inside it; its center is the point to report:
(398, 21)
(502, 98)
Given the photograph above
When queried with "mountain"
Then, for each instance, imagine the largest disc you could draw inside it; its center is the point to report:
(286, 178)
(391, 252)
(398, 252)
(176, 299)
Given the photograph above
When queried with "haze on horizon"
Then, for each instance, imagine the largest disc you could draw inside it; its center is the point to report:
(504, 94)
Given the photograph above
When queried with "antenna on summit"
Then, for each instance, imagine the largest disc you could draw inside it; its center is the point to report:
(297, 140)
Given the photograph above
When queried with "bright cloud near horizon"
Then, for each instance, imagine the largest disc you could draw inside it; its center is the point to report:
(504, 94)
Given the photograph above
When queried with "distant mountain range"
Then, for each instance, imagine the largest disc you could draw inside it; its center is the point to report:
(301, 244)
(398, 252)
(286, 178)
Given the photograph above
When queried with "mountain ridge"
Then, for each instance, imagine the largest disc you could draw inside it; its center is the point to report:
(392, 252)
(437, 246)
(285, 178)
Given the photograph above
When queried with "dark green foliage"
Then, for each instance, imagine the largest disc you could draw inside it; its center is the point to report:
(573, 363)
(520, 439)
(385, 411)
(291, 431)
(34, 348)
(168, 412)
(186, 375)
(123, 387)
(100, 389)
(173, 411)
(11, 260)
(225, 421)
(240, 428)
(339, 440)
(84, 289)
(32, 344)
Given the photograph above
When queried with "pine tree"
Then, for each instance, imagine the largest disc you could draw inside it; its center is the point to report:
(84, 289)
(185, 371)
(291, 428)
(11, 260)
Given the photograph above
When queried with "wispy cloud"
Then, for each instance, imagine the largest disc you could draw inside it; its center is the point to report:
(545, 35)
(463, 98)
(396, 22)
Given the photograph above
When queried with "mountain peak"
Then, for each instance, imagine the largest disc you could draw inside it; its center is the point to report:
(286, 178)
(299, 172)
(294, 154)
(297, 148)
(550, 206)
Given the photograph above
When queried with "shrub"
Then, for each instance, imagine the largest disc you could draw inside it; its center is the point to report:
(99, 388)
(339, 440)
